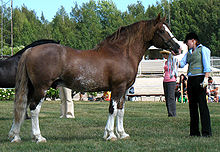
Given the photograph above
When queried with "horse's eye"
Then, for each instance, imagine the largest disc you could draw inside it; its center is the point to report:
(162, 31)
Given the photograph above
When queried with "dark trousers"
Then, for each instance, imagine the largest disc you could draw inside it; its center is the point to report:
(197, 100)
(169, 92)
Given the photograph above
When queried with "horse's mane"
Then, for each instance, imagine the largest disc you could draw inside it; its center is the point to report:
(125, 33)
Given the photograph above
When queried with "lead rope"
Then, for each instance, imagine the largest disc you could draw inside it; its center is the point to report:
(173, 65)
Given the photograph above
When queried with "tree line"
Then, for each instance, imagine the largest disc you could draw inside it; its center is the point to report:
(86, 25)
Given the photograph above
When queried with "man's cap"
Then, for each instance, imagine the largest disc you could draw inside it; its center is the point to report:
(191, 36)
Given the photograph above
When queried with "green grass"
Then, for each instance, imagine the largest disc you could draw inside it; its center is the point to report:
(147, 123)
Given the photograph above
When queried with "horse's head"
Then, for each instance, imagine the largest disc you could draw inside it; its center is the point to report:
(163, 38)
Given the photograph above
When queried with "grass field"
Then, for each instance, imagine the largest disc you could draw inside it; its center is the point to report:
(147, 123)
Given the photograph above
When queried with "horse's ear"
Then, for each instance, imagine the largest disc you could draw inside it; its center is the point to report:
(157, 20)
(163, 19)
(157, 23)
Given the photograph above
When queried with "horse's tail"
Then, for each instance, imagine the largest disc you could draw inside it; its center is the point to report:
(21, 88)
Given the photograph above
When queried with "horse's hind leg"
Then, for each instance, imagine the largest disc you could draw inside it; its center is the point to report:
(15, 129)
(19, 112)
(35, 133)
(35, 110)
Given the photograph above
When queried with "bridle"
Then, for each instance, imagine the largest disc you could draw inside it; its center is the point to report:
(165, 41)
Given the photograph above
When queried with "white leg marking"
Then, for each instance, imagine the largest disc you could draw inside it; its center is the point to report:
(13, 134)
(36, 135)
(119, 125)
(109, 128)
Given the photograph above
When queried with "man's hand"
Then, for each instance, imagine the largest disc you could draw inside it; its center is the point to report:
(204, 83)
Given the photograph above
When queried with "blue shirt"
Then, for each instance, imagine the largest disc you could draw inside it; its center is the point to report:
(205, 60)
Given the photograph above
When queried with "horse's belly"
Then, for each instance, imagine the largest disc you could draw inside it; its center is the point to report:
(82, 83)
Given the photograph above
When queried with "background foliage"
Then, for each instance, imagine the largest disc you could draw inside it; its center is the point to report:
(85, 26)
(9, 94)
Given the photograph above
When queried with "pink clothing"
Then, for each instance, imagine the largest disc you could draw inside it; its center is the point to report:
(167, 74)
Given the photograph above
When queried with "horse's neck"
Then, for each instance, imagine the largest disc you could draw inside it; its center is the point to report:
(138, 46)
(129, 41)
(137, 52)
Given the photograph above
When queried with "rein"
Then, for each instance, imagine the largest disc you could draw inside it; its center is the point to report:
(173, 65)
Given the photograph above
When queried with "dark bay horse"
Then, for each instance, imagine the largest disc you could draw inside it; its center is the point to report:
(8, 67)
(111, 66)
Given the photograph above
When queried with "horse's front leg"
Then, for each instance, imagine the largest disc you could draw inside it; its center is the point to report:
(119, 123)
(109, 128)
(36, 134)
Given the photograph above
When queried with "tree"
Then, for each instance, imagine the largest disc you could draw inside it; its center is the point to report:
(201, 17)
(62, 28)
(27, 26)
(110, 17)
(136, 12)
(6, 24)
(88, 26)
(153, 11)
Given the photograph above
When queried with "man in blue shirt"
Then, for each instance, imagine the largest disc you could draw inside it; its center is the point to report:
(198, 58)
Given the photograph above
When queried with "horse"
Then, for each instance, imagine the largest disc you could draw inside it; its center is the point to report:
(111, 66)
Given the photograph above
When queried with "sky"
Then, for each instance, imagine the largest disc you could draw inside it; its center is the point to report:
(50, 7)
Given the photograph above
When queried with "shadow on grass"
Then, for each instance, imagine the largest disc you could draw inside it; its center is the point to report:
(71, 138)
(56, 138)
(6, 118)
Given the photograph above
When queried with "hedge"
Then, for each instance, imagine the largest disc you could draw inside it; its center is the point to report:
(9, 94)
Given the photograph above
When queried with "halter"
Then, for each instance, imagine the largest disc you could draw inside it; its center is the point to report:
(165, 41)
(171, 35)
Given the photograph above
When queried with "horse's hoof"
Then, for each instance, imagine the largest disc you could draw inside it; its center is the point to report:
(125, 136)
(105, 135)
(16, 140)
(11, 135)
(43, 140)
(111, 138)
(39, 139)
